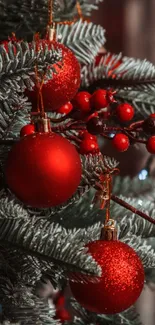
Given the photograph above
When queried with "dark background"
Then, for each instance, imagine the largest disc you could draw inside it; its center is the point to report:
(129, 25)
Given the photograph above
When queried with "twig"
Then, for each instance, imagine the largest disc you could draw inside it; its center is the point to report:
(132, 209)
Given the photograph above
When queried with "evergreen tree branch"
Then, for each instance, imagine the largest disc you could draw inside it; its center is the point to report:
(119, 72)
(84, 38)
(30, 16)
(132, 209)
(17, 68)
(45, 241)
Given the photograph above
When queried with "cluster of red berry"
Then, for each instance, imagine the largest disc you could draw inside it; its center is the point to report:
(85, 103)
(88, 144)
(93, 110)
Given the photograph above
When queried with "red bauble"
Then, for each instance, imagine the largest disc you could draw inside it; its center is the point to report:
(65, 109)
(27, 129)
(88, 146)
(121, 142)
(101, 98)
(64, 83)
(43, 170)
(151, 144)
(82, 101)
(125, 112)
(121, 281)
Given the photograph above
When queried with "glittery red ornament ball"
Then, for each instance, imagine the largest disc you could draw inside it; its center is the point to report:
(121, 282)
(64, 83)
(43, 170)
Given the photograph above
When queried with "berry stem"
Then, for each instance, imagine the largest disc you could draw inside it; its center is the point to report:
(132, 209)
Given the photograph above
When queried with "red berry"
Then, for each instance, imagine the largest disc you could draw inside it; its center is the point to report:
(89, 146)
(125, 112)
(152, 115)
(65, 109)
(121, 142)
(82, 101)
(27, 129)
(151, 144)
(101, 99)
(87, 136)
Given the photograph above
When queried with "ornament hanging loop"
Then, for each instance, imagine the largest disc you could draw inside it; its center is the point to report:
(51, 32)
(51, 26)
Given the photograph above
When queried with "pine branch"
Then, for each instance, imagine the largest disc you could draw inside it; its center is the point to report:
(17, 69)
(132, 187)
(14, 113)
(16, 73)
(83, 38)
(128, 317)
(29, 16)
(20, 301)
(132, 209)
(29, 269)
(143, 249)
(119, 72)
(44, 240)
(132, 222)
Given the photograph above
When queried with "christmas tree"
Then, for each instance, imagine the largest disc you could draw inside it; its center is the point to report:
(67, 219)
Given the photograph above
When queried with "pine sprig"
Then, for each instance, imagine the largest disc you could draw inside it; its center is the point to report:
(17, 65)
(83, 38)
(128, 317)
(30, 16)
(46, 241)
(14, 114)
(143, 249)
(19, 302)
(132, 223)
(120, 72)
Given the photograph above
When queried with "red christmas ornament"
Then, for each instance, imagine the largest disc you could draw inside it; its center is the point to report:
(82, 101)
(121, 142)
(64, 83)
(89, 145)
(121, 282)
(43, 170)
(27, 129)
(65, 109)
(151, 144)
(125, 112)
(102, 98)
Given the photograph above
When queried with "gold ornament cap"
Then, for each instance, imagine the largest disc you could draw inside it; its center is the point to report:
(109, 230)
